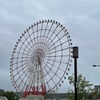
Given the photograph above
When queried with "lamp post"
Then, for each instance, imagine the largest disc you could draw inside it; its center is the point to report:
(75, 56)
(98, 89)
(96, 65)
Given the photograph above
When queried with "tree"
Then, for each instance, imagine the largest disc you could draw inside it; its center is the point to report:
(83, 87)
(9, 95)
(1, 92)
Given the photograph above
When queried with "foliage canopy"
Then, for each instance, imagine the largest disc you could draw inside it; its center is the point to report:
(84, 87)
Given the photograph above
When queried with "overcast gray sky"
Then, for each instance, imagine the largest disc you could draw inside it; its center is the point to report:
(80, 17)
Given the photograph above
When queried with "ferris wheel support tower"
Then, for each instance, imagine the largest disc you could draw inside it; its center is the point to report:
(36, 83)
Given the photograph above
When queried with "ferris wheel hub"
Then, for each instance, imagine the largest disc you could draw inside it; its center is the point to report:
(38, 57)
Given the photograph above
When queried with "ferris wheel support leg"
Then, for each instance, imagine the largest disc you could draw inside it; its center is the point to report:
(43, 89)
(26, 92)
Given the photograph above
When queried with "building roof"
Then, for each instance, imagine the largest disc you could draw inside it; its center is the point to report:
(3, 98)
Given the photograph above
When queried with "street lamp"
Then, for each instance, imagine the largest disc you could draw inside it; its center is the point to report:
(75, 56)
(98, 87)
(96, 65)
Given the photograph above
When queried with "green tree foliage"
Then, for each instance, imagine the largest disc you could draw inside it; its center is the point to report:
(9, 95)
(1, 93)
(83, 87)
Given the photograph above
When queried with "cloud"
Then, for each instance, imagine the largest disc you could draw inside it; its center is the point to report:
(95, 16)
(81, 18)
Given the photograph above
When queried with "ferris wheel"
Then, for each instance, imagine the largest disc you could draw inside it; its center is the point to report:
(41, 58)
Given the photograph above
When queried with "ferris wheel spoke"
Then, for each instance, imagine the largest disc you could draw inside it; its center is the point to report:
(20, 62)
(59, 45)
(23, 43)
(56, 51)
(50, 69)
(56, 67)
(47, 83)
(56, 36)
(53, 32)
(30, 37)
(44, 48)
(33, 34)
(26, 38)
(58, 56)
(20, 66)
(61, 50)
(21, 79)
(49, 31)
(51, 78)
(48, 72)
(21, 57)
(37, 32)
(41, 31)
(25, 82)
(21, 70)
(17, 79)
(45, 29)
(58, 40)
(40, 45)
(46, 38)
(57, 61)
(53, 82)
(19, 53)
(20, 48)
